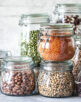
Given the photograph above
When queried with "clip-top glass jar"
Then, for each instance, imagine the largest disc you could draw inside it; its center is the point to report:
(56, 79)
(30, 25)
(17, 76)
(68, 13)
(56, 42)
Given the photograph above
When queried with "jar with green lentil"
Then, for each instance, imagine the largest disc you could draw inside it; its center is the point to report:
(56, 79)
(30, 25)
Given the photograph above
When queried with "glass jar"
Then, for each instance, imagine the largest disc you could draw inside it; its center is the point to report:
(30, 25)
(36, 72)
(77, 57)
(68, 13)
(56, 79)
(3, 54)
(56, 42)
(17, 76)
(78, 81)
(77, 61)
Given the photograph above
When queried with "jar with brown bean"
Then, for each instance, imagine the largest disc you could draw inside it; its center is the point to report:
(17, 77)
(56, 79)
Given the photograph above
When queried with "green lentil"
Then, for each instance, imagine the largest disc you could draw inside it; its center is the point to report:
(30, 48)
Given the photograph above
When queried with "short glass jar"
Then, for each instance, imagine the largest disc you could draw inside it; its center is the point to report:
(17, 76)
(56, 42)
(56, 79)
(68, 13)
(30, 27)
(3, 54)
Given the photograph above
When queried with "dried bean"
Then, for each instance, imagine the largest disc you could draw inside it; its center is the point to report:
(18, 82)
(56, 84)
(73, 19)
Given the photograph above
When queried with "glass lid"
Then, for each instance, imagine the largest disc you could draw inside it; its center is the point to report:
(68, 8)
(18, 59)
(34, 19)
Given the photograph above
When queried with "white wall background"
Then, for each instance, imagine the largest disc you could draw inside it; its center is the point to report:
(10, 11)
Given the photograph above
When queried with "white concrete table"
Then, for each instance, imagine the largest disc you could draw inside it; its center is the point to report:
(37, 98)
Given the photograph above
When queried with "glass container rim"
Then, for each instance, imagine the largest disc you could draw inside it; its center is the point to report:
(18, 59)
(70, 4)
(70, 9)
(57, 25)
(76, 8)
(52, 65)
(34, 18)
(61, 28)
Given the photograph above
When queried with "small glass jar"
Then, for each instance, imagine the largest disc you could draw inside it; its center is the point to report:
(56, 42)
(17, 77)
(56, 79)
(30, 27)
(3, 54)
(68, 13)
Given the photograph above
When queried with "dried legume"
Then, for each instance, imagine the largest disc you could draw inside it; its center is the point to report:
(56, 84)
(56, 48)
(17, 82)
(30, 48)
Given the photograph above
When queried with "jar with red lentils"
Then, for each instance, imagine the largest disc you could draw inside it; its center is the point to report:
(17, 76)
(56, 42)
(68, 13)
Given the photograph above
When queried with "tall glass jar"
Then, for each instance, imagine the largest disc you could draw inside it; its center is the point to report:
(56, 42)
(17, 76)
(30, 25)
(56, 79)
(77, 59)
(78, 81)
(68, 13)
(36, 70)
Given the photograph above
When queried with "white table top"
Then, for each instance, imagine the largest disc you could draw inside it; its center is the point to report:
(37, 98)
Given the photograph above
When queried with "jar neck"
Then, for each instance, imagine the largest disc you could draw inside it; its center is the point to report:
(57, 66)
(19, 62)
(16, 66)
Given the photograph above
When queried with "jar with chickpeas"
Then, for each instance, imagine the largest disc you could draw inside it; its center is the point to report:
(56, 79)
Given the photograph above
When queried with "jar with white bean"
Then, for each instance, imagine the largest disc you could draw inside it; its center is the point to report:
(56, 79)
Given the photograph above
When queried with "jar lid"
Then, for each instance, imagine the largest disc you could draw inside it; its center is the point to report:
(34, 19)
(17, 62)
(71, 5)
(18, 59)
(57, 66)
(57, 29)
(57, 26)
(68, 8)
